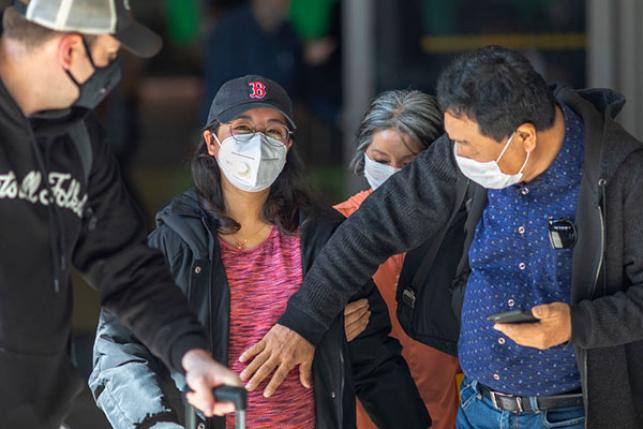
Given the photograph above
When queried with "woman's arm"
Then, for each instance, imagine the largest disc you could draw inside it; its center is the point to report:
(131, 386)
(356, 317)
(383, 382)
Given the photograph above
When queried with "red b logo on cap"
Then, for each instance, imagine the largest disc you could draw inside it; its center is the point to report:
(258, 89)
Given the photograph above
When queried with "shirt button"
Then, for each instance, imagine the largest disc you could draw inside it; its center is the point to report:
(524, 190)
(197, 270)
(501, 341)
(521, 230)
(511, 303)
(522, 266)
(496, 377)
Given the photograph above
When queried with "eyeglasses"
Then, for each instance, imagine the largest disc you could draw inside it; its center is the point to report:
(243, 132)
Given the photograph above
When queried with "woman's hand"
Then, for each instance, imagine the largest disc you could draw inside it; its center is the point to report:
(356, 317)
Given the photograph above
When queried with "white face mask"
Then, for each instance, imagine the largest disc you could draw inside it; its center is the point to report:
(488, 174)
(252, 165)
(377, 173)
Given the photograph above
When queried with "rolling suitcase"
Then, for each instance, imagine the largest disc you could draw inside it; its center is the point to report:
(237, 395)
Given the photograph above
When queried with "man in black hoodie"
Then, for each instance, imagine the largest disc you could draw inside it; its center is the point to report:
(62, 203)
(553, 226)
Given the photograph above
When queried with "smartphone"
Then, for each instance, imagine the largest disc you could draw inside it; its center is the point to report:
(517, 316)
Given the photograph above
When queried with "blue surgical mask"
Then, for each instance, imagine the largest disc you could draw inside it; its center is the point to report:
(377, 173)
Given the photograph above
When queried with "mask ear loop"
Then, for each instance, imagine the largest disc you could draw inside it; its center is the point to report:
(504, 150)
(88, 54)
(216, 138)
(524, 164)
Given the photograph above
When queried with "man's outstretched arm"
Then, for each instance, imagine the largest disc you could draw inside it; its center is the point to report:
(410, 208)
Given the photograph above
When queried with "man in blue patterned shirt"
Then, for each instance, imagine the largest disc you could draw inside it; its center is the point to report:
(515, 267)
(527, 151)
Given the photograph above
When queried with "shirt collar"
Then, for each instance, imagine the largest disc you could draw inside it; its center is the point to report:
(566, 169)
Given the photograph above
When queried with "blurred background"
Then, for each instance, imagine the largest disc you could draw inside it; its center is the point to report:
(333, 57)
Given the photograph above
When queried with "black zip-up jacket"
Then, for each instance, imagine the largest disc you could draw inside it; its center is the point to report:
(135, 390)
(607, 274)
(40, 241)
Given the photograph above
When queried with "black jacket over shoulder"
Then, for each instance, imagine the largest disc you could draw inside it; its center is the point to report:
(607, 273)
(135, 389)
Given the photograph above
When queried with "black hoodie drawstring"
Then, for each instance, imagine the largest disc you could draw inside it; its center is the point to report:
(57, 231)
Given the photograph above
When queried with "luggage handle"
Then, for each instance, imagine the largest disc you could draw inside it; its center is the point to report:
(237, 395)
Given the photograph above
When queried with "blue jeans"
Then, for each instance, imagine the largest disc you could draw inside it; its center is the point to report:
(477, 412)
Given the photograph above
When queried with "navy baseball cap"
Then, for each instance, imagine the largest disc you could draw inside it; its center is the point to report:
(249, 92)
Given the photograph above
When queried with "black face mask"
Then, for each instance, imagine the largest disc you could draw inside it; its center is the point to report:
(101, 83)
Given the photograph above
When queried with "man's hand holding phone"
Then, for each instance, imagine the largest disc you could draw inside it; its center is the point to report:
(517, 316)
(544, 327)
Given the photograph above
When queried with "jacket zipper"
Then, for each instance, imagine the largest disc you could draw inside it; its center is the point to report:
(600, 261)
(601, 185)
(210, 424)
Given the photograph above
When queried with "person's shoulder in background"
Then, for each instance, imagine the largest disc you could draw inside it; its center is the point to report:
(351, 205)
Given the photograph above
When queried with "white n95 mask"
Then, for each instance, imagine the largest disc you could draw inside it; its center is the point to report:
(377, 173)
(488, 174)
(252, 165)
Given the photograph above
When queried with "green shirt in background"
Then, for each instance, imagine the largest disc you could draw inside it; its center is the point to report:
(311, 18)
(183, 21)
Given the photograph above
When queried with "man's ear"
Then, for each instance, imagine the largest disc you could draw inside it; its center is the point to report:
(527, 134)
(290, 143)
(69, 48)
(211, 143)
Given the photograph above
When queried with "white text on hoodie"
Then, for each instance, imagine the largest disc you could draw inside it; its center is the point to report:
(65, 188)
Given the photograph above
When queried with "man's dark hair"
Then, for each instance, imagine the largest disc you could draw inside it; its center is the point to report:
(499, 89)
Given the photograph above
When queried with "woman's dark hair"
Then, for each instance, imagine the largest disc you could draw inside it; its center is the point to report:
(499, 89)
(287, 196)
(409, 112)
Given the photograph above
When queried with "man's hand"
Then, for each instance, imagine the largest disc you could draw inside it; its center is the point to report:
(281, 349)
(554, 328)
(202, 373)
(356, 317)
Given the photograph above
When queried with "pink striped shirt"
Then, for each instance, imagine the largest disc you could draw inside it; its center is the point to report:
(261, 280)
